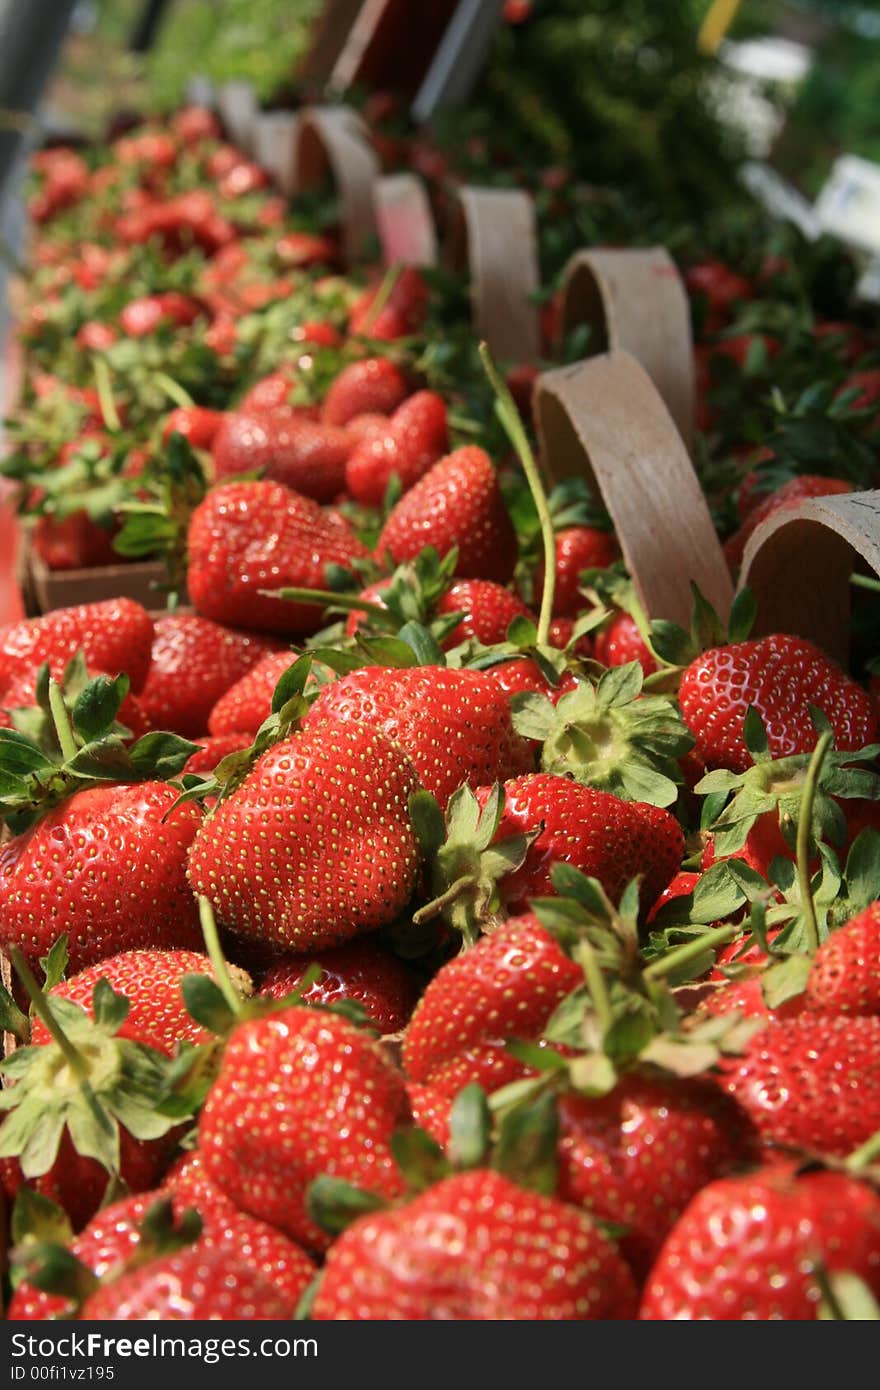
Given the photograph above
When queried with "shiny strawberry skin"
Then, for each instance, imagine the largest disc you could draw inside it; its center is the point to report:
(245, 537)
(747, 1248)
(416, 436)
(108, 867)
(362, 972)
(370, 385)
(475, 1247)
(798, 490)
(506, 986)
(196, 423)
(304, 455)
(196, 1284)
(457, 503)
(620, 642)
(636, 1156)
(244, 705)
(73, 542)
(845, 976)
(488, 609)
(339, 1105)
(213, 750)
(454, 724)
(316, 845)
(195, 661)
(609, 839)
(781, 677)
(114, 635)
(810, 1082)
(578, 548)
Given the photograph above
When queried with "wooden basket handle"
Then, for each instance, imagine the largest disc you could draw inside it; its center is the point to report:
(332, 139)
(635, 301)
(494, 235)
(405, 221)
(274, 141)
(605, 419)
(798, 564)
(238, 107)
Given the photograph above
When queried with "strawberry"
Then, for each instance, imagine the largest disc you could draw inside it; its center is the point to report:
(150, 981)
(304, 455)
(454, 724)
(810, 1082)
(73, 542)
(475, 1247)
(457, 503)
(21, 693)
(196, 423)
(243, 178)
(519, 674)
(245, 537)
(619, 642)
(487, 611)
(145, 315)
(608, 839)
(403, 311)
(244, 705)
(197, 1284)
(272, 393)
(746, 997)
(214, 750)
(362, 971)
(578, 548)
(114, 635)
(416, 436)
(750, 1248)
(96, 337)
(721, 287)
(322, 845)
(301, 249)
(335, 1114)
(194, 662)
(781, 677)
(506, 986)
(845, 975)
(108, 867)
(193, 124)
(639, 1154)
(791, 494)
(372, 385)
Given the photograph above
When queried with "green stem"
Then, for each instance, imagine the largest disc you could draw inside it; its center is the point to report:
(513, 427)
(805, 826)
(218, 960)
(104, 388)
(587, 958)
(865, 581)
(672, 960)
(382, 296)
(72, 1055)
(173, 390)
(61, 720)
(326, 598)
(443, 900)
(866, 1153)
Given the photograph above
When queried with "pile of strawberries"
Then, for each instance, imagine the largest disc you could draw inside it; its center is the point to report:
(402, 925)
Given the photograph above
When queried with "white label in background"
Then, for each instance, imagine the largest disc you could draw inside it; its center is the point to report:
(849, 205)
(868, 287)
(780, 198)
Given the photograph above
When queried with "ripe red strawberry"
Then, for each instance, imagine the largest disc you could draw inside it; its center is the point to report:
(457, 503)
(316, 845)
(746, 998)
(194, 662)
(749, 1248)
(245, 537)
(430, 1110)
(272, 393)
(244, 706)
(415, 437)
(145, 315)
(721, 287)
(107, 866)
(303, 249)
(243, 178)
(789, 495)
(363, 972)
(150, 981)
(96, 337)
(519, 674)
(73, 542)
(114, 635)
(781, 676)
(845, 976)
(193, 124)
(402, 313)
(609, 839)
(506, 986)
(20, 693)
(195, 1284)
(810, 1082)
(454, 724)
(638, 1155)
(488, 609)
(475, 1247)
(578, 548)
(370, 385)
(214, 750)
(304, 455)
(196, 423)
(560, 633)
(620, 642)
(339, 1105)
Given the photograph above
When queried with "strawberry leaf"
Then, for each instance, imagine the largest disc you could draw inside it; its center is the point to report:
(469, 1126)
(526, 1151)
(333, 1203)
